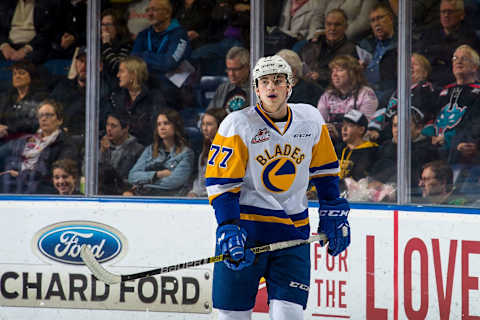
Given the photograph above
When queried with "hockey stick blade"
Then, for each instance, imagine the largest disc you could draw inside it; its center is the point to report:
(108, 277)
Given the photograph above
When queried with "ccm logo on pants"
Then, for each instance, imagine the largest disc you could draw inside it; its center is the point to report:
(300, 286)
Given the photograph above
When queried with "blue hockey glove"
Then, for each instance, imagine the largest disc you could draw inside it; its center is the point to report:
(231, 241)
(334, 223)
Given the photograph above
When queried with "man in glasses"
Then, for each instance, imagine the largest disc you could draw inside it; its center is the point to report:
(234, 94)
(439, 43)
(381, 66)
(165, 47)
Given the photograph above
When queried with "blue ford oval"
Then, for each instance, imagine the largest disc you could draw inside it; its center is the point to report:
(63, 243)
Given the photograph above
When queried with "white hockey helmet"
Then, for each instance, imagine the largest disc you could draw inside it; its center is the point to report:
(271, 65)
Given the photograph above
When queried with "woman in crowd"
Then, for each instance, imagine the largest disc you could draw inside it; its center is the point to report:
(347, 90)
(134, 97)
(116, 40)
(165, 167)
(28, 167)
(210, 122)
(18, 104)
(423, 97)
(65, 177)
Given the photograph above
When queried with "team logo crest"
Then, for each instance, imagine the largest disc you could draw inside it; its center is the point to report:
(279, 174)
(261, 136)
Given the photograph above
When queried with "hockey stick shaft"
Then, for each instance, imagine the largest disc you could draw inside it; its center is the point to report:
(111, 278)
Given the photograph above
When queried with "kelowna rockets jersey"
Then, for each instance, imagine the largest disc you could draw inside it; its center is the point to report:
(258, 171)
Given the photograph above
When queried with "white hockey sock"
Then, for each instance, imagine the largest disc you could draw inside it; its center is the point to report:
(285, 310)
(234, 315)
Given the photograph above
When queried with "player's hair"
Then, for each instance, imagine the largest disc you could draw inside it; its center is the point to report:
(180, 139)
(341, 12)
(442, 171)
(424, 63)
(473, 54)
(57, 107)
(219, 114)
(354, 69)
(293, 60)
(138, 67)
(70, 167)
(240, 53)
(119, 22)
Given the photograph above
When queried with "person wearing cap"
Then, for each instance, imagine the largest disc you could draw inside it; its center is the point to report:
(356, 155)
(72, 94)
(18, 104)
(384, 170)
(259, 167)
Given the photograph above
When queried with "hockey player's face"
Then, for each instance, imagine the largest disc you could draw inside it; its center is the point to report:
(209, 127)
(273, 90)
(165, 128)
(63, 181)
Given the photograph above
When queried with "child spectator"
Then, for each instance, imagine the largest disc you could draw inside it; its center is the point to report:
(65, 177)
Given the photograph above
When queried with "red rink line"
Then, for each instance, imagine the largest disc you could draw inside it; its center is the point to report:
(329, 316)
(395, 264)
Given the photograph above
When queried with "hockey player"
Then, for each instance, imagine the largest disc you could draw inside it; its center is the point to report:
(259, 168)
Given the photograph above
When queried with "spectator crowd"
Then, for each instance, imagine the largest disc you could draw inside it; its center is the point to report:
(172, 70)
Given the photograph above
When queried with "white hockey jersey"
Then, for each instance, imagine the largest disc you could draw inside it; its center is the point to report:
(258, 170)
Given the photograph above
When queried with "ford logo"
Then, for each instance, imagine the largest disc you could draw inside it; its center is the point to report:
(62, 241)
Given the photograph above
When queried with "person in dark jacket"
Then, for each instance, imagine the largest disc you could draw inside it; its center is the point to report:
(318, 53)
(194, 16)
(18, 40)
(18, 105)
(135, 98)
(119, 151)
(116, 40)
(28, 167)
(164, 46)
(71, 93)
(384, 170)
(439, 43)
(381, 69)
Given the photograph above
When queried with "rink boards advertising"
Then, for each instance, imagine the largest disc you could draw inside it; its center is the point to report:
(404, 262)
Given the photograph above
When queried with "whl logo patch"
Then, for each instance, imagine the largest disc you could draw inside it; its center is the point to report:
(261, 136)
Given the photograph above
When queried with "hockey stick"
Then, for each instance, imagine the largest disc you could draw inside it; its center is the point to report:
(111, 278)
